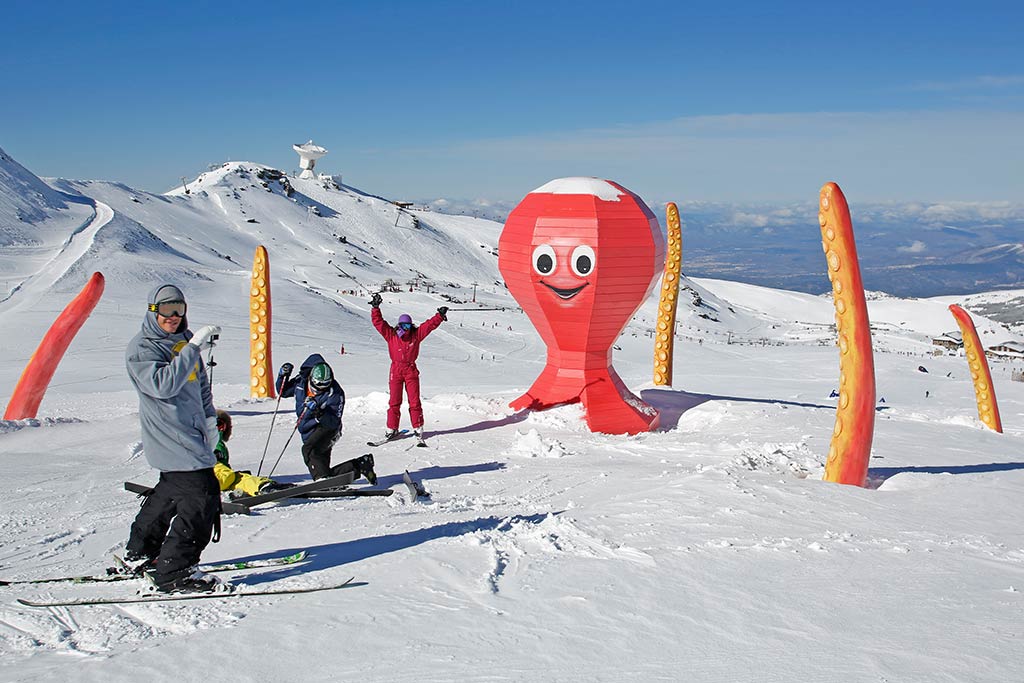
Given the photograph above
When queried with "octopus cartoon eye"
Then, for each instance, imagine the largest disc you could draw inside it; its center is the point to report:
(583, 260)
(544, 260)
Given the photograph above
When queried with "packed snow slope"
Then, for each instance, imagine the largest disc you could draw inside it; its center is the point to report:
(37, 224)
(709, 550)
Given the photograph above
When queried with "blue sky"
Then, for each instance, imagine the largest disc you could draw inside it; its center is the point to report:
(745, 101)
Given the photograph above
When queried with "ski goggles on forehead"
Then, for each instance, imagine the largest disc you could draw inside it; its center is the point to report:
(168, 309)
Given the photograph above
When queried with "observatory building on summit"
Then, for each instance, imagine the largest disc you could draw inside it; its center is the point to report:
(308, 154)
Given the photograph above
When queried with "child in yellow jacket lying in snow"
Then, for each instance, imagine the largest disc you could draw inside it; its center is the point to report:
(229, 479)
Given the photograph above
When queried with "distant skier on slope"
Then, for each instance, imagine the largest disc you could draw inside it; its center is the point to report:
(404, 348)
(319, 405)
(179, 433)
(229, 479)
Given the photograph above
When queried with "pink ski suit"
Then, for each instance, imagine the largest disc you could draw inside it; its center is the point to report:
(403, 351)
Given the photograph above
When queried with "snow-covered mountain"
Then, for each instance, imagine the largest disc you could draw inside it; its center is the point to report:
(24, 200)
(336, 243)
(708, 550)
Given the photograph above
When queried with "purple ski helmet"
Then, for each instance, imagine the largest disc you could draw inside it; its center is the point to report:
(404, 318)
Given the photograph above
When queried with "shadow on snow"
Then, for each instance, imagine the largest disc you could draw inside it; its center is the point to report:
(347, 552)
(672, 404)
(878, 475)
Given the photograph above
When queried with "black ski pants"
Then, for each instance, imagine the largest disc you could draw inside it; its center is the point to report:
(176, 522)
(316, 451)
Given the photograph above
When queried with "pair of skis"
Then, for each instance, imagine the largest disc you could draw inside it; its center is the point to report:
(328, 487)
(321, 488)
(401, 434)
(238, 590)
(117, 574)
(398, 435)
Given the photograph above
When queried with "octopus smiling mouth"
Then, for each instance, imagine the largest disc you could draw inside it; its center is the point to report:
(565, 293)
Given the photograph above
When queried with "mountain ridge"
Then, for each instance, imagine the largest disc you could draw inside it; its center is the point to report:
(339, 243)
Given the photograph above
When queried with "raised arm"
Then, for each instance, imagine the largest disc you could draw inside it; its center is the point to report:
(430, 325)
(381, 325)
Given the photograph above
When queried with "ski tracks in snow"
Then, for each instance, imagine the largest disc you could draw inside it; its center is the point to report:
(89, 632)
(28, 292)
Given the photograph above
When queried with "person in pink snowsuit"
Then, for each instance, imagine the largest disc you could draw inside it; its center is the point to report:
(404, 347)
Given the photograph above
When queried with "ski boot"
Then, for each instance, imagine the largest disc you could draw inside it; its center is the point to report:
(364, 467)
(132, 564)
(192, 580)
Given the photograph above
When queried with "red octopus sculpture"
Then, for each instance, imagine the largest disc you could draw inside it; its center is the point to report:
(581, 255)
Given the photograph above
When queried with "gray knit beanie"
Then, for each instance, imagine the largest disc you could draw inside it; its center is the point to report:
(168, 293)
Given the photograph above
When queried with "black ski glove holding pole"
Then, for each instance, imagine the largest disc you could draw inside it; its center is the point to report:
(312, 407)
(376, 300)
(283, 375)
(443, 312)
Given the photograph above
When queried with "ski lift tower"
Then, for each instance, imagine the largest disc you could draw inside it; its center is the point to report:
(308, 154)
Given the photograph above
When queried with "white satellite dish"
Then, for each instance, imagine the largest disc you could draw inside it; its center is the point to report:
(308, 154)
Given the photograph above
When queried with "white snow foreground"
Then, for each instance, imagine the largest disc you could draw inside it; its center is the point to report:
(707, 551)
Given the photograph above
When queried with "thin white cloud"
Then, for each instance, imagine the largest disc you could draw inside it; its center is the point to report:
(975, 83)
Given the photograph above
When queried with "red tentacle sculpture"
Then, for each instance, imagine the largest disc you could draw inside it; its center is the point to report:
(984, 392)
(850, 450)
(28, 393)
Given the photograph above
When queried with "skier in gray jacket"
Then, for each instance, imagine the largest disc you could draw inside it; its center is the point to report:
(179, 434)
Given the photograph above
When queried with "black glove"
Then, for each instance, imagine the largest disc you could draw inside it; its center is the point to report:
(443, 312)
(286, 370)
(375, 300)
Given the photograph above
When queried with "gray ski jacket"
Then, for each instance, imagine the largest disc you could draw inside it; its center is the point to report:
(174, 396)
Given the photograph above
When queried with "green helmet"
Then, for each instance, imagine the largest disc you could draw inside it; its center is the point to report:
(320, 377)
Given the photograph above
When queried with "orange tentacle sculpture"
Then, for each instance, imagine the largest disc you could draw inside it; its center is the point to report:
(850, 450)
(665, 334)
(260, 368)
(984, 392)
(28, 393)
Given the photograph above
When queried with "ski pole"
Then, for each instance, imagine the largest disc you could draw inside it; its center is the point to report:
(267, 445)
(209, 359)
(294, 429)
(476, 309)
